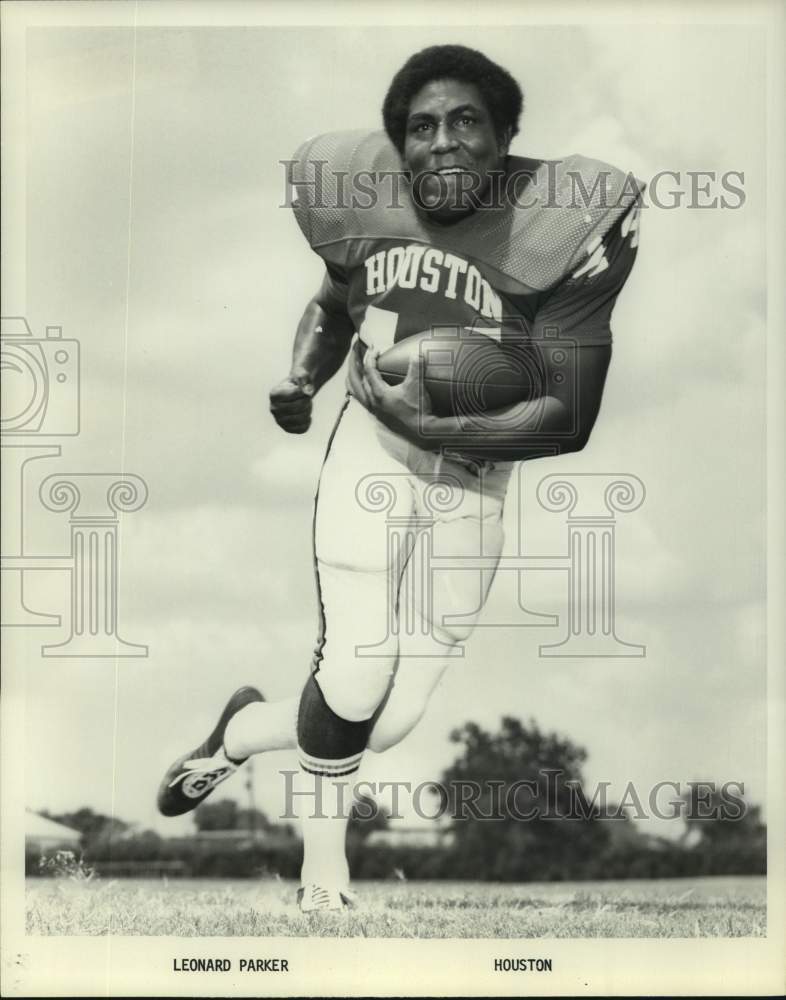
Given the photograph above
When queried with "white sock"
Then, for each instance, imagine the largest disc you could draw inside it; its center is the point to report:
(324, 815)
(260, 726)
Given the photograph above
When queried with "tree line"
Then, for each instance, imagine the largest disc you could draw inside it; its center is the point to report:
(553, 830)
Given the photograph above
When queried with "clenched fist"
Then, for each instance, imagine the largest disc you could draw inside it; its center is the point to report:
(290, 403)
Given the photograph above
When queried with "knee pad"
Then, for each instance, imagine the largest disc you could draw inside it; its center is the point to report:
(416, 679)
(327, 743)
(355, 687)
(388, 732)
(458, 596)
(451, 633)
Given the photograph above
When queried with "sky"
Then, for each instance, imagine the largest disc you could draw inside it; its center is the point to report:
(156, 236)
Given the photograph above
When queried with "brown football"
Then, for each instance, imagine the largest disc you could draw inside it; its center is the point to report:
(465, 373)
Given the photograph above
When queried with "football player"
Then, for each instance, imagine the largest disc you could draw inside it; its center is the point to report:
(431, 223)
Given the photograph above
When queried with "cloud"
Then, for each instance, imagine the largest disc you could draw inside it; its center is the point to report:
(290, 469)
(216, 564)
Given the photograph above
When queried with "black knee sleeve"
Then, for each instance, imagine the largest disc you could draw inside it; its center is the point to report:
(327, 744)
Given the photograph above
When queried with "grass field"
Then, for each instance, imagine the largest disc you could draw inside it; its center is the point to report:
(708, 907)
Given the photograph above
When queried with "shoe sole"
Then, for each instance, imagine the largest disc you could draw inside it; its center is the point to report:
(346, 904)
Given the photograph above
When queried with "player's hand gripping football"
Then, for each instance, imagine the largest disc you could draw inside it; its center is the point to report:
(402, 407)
(290, 403)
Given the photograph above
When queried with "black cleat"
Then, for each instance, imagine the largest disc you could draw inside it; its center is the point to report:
(193, 776)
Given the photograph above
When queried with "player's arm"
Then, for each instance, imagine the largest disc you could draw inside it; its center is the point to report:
(551, 423)
(322, 341)
(557, 422)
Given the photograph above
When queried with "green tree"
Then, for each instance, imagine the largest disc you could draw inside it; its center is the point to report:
(724, 829)
(253, 819)
(366, 816)
(225, 814)
(517, 805)
(90, 824)
(222, 814)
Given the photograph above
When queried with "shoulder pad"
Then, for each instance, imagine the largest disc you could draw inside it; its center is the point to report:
(347, 189)
(334, 173)
(561, 208)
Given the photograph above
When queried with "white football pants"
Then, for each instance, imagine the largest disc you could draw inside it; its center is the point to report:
(394, 529)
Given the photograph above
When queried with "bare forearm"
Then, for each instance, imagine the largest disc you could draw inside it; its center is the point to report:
(321, 343)
(557, 422)
(526, 430)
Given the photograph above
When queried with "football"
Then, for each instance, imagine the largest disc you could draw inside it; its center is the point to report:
(465, 373)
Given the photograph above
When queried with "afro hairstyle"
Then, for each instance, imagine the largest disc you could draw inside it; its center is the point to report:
(501, 93)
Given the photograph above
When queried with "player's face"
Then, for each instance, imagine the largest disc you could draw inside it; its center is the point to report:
(451, 149)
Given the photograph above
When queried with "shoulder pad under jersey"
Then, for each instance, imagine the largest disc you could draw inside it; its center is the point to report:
(339, 186)
(351, 187)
